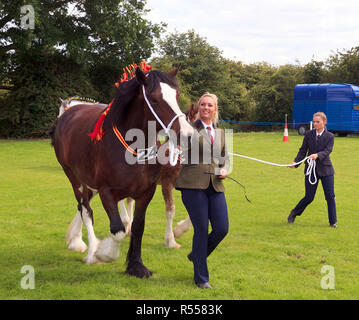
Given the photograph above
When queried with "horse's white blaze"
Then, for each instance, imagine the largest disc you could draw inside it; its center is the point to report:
(169, 95)
(109, 249)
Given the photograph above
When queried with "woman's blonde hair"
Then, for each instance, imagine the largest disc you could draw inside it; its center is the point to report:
(321, 115)
(215, 100)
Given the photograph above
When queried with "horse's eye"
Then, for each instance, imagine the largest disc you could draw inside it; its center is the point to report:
(154, 100)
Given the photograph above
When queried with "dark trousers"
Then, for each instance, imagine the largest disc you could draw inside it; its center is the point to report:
(310, 190)
(204, 206)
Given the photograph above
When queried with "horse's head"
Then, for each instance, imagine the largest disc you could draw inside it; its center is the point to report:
(160, 92)
(192, 112)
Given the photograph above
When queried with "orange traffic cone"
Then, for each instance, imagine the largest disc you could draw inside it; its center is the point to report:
(285, 136)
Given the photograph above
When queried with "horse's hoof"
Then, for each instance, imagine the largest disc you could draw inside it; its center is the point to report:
(77, 245)
(91, 260)
(179, 230)
(171, 243)
(181, 227)
(139, 270)
(108, 250)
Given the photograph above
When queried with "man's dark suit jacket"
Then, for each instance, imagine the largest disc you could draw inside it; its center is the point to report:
(323, 147)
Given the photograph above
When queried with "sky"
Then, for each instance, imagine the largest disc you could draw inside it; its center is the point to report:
(273, 31)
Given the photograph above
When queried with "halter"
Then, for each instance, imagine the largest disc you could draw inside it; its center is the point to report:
(174, 152)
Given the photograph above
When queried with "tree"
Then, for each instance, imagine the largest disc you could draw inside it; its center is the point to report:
(201, 63)
(87, 41)
(203, 70)
(343, 67)
(313, 72)
(274, 93)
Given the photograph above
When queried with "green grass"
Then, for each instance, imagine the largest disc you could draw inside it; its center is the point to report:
(262, 257)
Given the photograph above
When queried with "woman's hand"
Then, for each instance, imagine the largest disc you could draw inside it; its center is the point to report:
(314, 156)
(223, 173)
(292, 165)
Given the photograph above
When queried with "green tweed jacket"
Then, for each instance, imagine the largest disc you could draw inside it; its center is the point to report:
(203, 158)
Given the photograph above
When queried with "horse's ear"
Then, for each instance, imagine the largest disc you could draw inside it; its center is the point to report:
(61, 100)
(174, 72)
(141, 77)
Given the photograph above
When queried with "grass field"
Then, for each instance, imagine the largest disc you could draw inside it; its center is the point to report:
(262, 257)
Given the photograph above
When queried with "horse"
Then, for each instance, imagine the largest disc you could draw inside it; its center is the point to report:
(101, 165)
(167, 181)
(72, 101)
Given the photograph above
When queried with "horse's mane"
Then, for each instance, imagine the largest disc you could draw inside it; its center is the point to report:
(155, 77)
(128, 90)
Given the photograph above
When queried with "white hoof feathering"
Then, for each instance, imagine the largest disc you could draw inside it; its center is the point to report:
(108, 250)
(170, 242)
(74, 235)
(91, 258)
(182, 227)
(77, 245)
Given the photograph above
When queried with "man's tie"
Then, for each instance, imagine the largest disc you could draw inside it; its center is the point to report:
(210, 134)
(318, 136)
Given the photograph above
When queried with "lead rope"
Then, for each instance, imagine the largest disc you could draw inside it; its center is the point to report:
(173, 151)
(310, 170)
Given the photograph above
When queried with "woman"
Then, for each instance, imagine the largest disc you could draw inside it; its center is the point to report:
(201, 186)
(318, 144)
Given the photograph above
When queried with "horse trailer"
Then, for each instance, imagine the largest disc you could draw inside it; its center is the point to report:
(339, 101)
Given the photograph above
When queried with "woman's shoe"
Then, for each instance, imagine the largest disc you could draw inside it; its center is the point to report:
(189, 257)
(291, 217)
(204, 285)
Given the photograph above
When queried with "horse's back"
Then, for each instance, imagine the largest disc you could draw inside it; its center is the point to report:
(71, 134)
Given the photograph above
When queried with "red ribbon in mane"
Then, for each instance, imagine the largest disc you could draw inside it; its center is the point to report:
(129, 74)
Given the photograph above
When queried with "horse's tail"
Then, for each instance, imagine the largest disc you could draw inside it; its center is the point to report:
(51, 132)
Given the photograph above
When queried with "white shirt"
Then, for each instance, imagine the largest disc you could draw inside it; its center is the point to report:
(319, 133)
(213, 132)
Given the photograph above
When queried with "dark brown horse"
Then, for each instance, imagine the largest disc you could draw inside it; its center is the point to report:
(103, 167)
(167, 181)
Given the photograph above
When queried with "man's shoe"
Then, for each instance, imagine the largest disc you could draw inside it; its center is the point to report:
(334, 225)
(291, 217)
(204, 285)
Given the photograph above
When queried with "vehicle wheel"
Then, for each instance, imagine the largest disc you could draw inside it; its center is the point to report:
(302, 129)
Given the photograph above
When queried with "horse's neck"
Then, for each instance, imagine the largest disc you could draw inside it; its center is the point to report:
(137, 118)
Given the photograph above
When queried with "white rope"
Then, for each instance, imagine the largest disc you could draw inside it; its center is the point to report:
(174, 152)
(310, 170)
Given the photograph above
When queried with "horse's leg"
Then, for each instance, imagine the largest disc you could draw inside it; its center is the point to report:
(182, 227)
(170, 214)
(109, 249)
(74, 231)
(87, 217)
(74, 234)
(125, 217)
(130, 202)
(135, 266)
